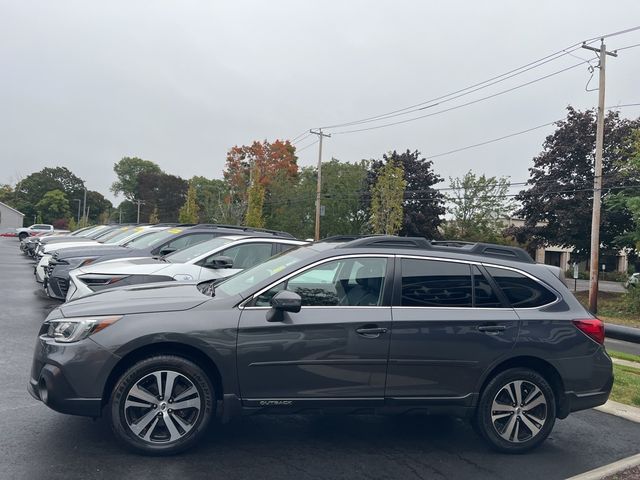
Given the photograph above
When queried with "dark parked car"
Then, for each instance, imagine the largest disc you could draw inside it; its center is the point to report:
(378, 324)
(152, 244)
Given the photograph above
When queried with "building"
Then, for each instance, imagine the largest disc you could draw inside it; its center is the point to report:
(561, 256)
(10, 218)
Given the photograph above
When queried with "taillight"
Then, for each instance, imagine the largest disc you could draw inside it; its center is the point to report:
(591, 327)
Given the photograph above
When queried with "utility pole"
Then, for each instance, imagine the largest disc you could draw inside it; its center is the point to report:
(321, 135)
(597, 178)
(84, 208)
(139, 202)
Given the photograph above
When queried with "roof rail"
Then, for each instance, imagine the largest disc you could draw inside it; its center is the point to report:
(343, 238)
(455, 246)
(244, 229)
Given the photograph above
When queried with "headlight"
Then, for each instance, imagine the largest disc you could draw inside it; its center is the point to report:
(78, 262)
(183, 277)
(67, 330)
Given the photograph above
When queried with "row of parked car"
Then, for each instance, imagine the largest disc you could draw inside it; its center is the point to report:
(96, 258)
(168, 327)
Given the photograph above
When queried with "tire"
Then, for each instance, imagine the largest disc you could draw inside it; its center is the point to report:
(171, 430)
(519, 428)
(22, 236)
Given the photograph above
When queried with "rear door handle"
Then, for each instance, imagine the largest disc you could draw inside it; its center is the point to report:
(492, 328)
(371, 332)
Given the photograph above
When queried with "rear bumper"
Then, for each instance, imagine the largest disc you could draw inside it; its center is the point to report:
(574, 402)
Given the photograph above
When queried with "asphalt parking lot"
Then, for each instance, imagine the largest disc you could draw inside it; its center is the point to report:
(39, 443)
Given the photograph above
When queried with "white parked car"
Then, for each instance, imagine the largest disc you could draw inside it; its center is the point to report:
(119, 236)
(25, 232)
(216, 258)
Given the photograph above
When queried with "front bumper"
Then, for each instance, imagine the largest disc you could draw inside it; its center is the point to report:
(70, 378)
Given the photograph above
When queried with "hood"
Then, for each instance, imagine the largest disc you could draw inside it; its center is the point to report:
(89, 250)
(147, 298)
(139, 266)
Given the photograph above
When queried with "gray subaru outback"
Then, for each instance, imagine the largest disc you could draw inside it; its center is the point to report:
(384, 325)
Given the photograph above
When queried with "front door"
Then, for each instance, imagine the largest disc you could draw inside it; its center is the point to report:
(449, 327)
(335, 348)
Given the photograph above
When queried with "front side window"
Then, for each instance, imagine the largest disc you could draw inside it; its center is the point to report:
(351, 282)
(432, 283)
(248, 254)
(520, 290)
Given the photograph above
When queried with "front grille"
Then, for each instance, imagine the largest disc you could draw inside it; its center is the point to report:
(59, 286)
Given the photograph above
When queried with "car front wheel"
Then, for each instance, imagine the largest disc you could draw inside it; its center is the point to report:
(517, 410)
(162, 405)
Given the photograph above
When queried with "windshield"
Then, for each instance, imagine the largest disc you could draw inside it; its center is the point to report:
(195, 251)
(151, 238)
(119, 236)
(113, 233)
(246, 279)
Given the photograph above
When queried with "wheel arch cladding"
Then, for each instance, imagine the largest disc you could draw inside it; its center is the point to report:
(188, 352)
(540, 366)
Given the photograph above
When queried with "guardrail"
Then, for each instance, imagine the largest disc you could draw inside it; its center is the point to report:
(620, 332)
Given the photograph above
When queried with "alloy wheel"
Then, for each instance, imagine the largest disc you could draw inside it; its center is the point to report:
(162, 407)
(519, 411)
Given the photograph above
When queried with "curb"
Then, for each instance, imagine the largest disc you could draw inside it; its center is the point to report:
(610, 469)
(628, 412)
(619, 332)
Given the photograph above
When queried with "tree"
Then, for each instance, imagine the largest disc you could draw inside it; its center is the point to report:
(53, 206)
(557, 205)
(165, 192)
(387, 196)
(628, 199)
(128, 170)
(189, 211)
(478, 206)
(97, 206)
(211, 196)
(30, 190)
(255, 196)
(268, 158)
(154, 218)
(423, 205)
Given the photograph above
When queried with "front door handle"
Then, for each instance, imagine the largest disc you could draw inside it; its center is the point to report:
(492, 328)
(371, 331)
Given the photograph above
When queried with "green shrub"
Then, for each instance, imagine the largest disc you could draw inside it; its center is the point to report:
(632, 300)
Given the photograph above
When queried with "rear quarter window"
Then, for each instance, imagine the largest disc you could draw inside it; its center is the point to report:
(521, 291)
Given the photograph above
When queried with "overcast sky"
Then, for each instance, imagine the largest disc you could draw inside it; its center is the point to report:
(84, 83)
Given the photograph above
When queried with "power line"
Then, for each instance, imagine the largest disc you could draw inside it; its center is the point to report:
(464, 91)
(614, 34)
(298, 150)
(504, 137)
(502, 92)
(627, 47)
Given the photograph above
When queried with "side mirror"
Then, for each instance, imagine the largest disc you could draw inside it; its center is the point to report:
(219, 262)
(283, 301)
(166, 251)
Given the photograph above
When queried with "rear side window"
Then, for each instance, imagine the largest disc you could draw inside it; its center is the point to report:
(484, 295)
(431, 283)
(520, 290)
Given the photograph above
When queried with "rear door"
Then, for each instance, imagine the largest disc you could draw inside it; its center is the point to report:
(449, 326)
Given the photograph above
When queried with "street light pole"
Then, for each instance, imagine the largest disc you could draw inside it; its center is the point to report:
(79, 204)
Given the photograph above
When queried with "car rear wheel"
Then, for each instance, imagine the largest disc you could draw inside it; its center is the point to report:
(517, 410)
(162, 405)
(22, 235)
